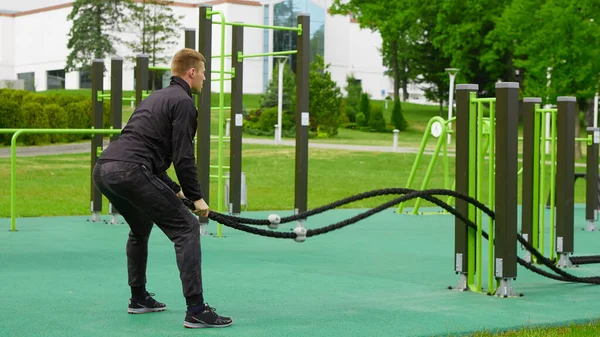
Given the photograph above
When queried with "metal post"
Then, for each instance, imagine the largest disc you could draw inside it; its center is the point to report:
(190, 38)
(506, 194)
(591, 172)
(530, 200)
(97, 107)
(203, 131)
(462, 265)
(302, 116)
(141, 77)
(116, 104)
(235, 152)
(565, 175)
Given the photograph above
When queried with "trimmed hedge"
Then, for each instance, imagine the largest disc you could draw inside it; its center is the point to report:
(60, 110)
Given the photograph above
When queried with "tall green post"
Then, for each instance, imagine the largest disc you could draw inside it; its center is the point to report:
(235, 150)
(465, 180)
(530, 197)
(116, 109)
(506, 191)
(565, 175)
(97, 106)
(203, 131)
(302, 116)
(591, 173)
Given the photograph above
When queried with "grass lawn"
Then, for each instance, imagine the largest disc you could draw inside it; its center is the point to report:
(60, 184)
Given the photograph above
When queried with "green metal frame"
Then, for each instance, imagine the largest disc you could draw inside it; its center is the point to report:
(249, 25)
(13, 158)
(221, 108)
(441, 145)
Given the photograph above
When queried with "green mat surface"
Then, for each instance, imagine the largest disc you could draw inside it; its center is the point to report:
(387, 275)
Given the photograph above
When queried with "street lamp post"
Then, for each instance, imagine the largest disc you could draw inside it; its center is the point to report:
(281, 65)
(452, 72)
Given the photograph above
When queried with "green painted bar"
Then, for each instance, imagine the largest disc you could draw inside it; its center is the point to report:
(13, 159)
(250, 25)
(276, 53)
(530, 209)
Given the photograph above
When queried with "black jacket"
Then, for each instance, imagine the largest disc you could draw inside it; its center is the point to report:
(161, 131)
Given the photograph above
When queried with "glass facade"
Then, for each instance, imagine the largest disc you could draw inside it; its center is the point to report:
(285, 14)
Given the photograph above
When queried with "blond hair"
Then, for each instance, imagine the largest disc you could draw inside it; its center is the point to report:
(184, 60)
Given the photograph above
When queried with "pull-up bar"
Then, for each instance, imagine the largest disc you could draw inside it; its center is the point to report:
(250, 25)
(277, 53)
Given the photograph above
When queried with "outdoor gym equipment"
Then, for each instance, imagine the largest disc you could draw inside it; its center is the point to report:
(237, 56)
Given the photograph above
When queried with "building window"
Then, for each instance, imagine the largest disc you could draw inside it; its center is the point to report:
(28, 79)
(85, 79)
(286, 14)
(56, 79)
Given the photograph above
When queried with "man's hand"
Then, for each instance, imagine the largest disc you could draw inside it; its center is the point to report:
(180, 195)
(201, 208)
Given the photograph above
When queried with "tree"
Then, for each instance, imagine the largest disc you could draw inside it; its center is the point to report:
(377, 121)
(94, 30)
(325, 99)
(398, 120)
(392, 19)
(365, 106)
(353, 92)
(156, 30)
(461, 29)
(563, 35)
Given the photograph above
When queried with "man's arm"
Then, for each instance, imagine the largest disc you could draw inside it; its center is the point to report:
(184, 161)
(167, 180)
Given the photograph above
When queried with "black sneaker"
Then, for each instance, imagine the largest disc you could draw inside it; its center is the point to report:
(206, 319)
(148, 304)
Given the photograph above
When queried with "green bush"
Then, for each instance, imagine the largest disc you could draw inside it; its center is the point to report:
(61, 109)
(58, 120)
(268, 119)
(365, 107)
(377, 121)
(353, 93)
(34, 118)
(360, 119)
(398, 120)
(10, 117)
(78, 117)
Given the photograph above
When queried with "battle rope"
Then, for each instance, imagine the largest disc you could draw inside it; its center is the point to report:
(300, 233)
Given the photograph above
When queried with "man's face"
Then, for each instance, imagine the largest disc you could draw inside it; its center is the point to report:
(198, 79)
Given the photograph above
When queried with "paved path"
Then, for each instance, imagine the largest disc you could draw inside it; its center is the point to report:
(28, 151)
(82, 147)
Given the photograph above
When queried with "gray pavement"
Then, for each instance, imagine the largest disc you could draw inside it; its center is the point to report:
(83, 147)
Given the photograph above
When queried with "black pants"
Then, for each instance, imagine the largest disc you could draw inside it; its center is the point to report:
(144, 200)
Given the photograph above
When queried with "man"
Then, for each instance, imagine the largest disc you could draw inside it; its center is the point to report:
(131, 173)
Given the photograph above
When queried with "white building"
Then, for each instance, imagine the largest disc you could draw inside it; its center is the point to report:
(34, 35)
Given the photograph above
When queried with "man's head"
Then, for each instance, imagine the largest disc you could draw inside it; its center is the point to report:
(189, 65)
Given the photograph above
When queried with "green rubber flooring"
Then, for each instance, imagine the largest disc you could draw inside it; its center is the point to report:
(387, 275)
